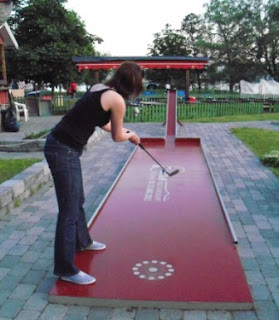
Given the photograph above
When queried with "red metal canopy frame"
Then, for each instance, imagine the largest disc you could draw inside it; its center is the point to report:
(148, 62)
(152, 62)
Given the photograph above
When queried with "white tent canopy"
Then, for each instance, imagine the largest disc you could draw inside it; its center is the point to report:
(262, 87)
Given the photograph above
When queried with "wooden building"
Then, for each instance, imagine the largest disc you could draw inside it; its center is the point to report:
(7, 41)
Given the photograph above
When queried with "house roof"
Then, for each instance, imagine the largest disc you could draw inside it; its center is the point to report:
(8, 37)
(146, 62)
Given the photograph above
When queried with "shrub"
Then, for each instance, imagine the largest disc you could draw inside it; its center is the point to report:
(271, 158)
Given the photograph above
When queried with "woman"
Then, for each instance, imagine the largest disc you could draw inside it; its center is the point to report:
(103, 106)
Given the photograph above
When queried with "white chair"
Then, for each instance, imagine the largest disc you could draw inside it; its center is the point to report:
(21, 108)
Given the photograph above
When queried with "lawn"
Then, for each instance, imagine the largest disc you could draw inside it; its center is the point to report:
(11, 167)
(259, 141)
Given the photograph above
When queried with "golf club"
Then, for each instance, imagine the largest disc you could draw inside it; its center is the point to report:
(164, 170)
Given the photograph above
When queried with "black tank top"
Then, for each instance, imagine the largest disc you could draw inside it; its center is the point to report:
(79, 123)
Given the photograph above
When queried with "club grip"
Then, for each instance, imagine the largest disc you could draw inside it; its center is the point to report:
(141, 146)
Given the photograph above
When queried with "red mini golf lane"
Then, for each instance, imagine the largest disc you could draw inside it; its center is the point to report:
(168, 243)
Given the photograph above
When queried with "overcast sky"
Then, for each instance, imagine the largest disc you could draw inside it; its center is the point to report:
(128, 27)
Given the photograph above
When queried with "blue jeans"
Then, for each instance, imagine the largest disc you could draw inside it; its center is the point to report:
(71, 230)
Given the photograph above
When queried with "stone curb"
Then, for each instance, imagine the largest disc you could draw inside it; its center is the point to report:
(26, 183)
(23, 145)
(21, 186)
(32, 145)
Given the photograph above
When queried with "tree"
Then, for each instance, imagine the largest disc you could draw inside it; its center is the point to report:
(48, 37)
(239, 36)
(266, 22)
(245, 44)
(233, 46)
(168, 42)
(194, 29)
(196, 35)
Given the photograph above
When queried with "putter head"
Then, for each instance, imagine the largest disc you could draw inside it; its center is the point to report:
(173, 173)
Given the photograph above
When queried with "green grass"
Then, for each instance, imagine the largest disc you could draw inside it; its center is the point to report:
(38, 135)
(259, 141)
(238, 118)
(11, 167)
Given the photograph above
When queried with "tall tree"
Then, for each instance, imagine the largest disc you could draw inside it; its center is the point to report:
(195, 32)
(233, 38)
(168, 42)
(266, 22)
(196, 36)
(48, 37)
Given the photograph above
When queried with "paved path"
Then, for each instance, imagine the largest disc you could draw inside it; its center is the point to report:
(250, 193)
(34, 125)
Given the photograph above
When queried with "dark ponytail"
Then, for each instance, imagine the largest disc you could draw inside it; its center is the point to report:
(127, 80)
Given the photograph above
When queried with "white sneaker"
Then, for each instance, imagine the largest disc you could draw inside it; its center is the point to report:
(98, 246)
(79, 278)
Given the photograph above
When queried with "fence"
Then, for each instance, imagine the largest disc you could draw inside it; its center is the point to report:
(215, 94)
(61, 104)
(199, 109)
(145, 113)
(217, 109)
(143, 110)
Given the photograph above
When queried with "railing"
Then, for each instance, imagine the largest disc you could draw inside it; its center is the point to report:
(199, 109)
(203, 94)
(61, 104)
(145, 113)
(143, 110)
(216, 109)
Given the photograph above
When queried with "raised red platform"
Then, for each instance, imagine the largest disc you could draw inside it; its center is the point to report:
(168, 244)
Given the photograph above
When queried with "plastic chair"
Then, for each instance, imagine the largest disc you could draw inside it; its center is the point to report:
(21, 108)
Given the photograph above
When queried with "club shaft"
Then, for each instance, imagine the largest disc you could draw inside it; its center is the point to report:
(150, 155)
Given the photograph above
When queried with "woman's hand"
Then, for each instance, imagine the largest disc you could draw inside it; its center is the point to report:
(134, 138)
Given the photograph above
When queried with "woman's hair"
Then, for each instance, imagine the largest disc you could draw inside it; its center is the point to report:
(127, 80)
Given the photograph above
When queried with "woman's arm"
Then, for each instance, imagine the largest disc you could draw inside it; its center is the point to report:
(112, 101)
(107, 128)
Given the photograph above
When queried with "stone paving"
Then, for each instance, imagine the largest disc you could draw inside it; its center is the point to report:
(249, 191)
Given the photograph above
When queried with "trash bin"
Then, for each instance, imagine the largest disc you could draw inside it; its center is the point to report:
(45, 106)
(32, 104)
